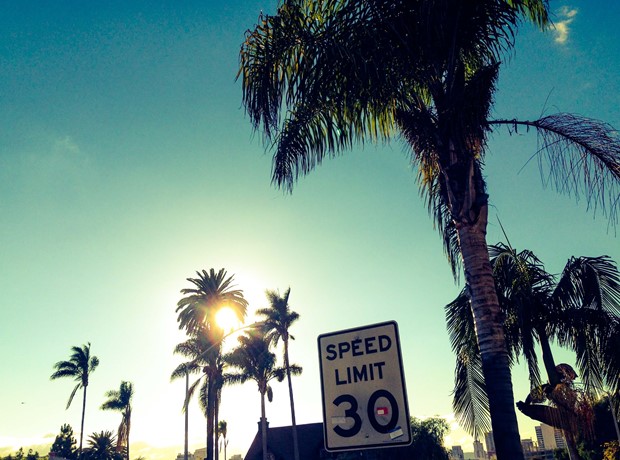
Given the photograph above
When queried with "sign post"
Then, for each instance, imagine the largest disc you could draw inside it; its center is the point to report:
(363, 387)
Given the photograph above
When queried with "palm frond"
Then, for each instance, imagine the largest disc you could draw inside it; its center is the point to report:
(470, 401)
(75, 389)
(579, 156)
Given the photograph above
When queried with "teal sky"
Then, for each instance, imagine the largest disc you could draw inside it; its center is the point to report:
(127, 163)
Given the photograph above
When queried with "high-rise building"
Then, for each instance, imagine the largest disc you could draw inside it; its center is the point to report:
(457, 453)
(490, 443)
(479, 452)
(549, 437)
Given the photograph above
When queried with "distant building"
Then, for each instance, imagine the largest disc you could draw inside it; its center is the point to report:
(181, 456)
(528, 446)
(456, 453)
(479, 452)
(549, 437)
(490, 443)
(200, 454)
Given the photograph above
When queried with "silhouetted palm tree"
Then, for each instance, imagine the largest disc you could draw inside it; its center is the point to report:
(278, 318)
(120, 401)
(79, 367)
(580, 311)
(222, 428)
(196, 349)
(101, 447)
(255, 362)
(196, 314)
(320, 76)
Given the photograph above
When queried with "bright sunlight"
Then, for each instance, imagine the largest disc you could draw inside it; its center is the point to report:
(226, 319)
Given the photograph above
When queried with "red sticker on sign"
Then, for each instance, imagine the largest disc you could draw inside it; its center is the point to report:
(382, 410)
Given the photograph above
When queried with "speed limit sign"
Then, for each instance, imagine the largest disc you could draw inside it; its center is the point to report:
(363, 388)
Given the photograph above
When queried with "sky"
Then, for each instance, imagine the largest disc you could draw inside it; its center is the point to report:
(127, 164)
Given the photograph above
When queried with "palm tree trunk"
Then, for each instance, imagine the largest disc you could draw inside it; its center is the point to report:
(490, 334)
(549, 362)
(128, 421)
(186, 453)
(210, 416)
(290, 395)
(263, 425)
(82, 424)
(216, 419)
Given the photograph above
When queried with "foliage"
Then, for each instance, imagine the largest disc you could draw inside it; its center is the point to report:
(64, 444)
(427, 436)
(612, 450)
(19, 455)
(579, 310)
(101, 446)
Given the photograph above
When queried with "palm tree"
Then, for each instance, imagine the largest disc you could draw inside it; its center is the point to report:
(196, 314)
(120, 401)
(197, 349)
(580, 311)
(222, 428)
(255, 362)
(320, 76)
(278, 320)
(101, 447)
(79, 367)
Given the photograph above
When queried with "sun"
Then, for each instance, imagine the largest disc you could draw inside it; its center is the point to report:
(226, 319)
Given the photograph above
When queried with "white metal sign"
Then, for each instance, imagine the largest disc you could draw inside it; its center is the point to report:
(363, 387)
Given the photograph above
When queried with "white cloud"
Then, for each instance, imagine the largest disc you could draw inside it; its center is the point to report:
(561, 28)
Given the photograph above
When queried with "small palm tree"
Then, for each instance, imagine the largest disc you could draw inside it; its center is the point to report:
(278, 318)
(255, 362)
(101, 447)
(196, 314)
(580, 311)
(222, 428)
(79, 367)
(120, 401)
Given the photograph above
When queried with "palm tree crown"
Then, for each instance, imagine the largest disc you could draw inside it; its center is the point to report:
(120, 401)
(79, 367)
(212, 291)
(101, 447)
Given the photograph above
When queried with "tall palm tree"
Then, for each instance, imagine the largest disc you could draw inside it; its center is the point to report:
(196, 314)
(196, 349)
(120, 401)
(79, 367)
(580, 311)
(322, 75)
(278, 318)
(256, 362)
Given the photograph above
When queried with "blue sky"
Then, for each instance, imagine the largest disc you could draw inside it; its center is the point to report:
(126, 164)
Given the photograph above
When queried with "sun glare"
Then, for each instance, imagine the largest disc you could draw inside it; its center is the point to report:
(226, 319)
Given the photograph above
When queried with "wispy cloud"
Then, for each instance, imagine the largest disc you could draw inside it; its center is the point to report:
(562, 27)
